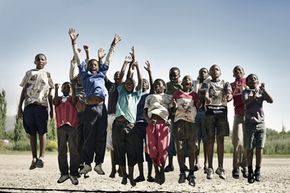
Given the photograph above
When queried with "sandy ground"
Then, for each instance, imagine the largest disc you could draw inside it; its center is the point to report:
(16, 177)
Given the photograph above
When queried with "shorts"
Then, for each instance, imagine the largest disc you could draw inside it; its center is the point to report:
(217, 125)
(185, 137)
(238, 131)
(35, 119)
(255, 135)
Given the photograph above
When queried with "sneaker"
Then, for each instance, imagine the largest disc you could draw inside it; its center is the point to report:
(209, 174)
(236, 173)
(112, 174)
(99, 170)
(169, 168)
(74, 180)
(124, 180)
(196, 167)
(62, 178)
(39, 163)
(257, 175)
(150, 179)
(33, 164)
(251, 177)
(221, 172)
(245, 172)
(191, 179)
(86, 169)
(140, 179)
(132, 181)
(182, 178)
(205, 170)
(162, 176)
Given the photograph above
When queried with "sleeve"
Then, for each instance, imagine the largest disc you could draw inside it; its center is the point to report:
(73, 71)
(104, 68)
(147, 101)
(82, 70)
(25, 79)
(50, 81)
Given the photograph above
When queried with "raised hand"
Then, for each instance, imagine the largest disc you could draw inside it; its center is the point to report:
(128, 59)
(101, 53)
(86, 48)
(73, 34)
(116, 39)
(135, 65)
(79, 50)
(147, 66)
(132, 54)
(56, 86)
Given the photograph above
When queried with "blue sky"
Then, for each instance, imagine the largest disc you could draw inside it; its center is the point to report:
(189, 34)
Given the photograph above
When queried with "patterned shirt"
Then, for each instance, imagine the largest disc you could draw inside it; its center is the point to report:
(238, 86)
(37, 83)
(186, 106)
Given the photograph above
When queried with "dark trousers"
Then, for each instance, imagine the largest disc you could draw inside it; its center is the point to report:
(81, 135)
(95, 132)
(68, 135)
(141, 140)
(124, 141)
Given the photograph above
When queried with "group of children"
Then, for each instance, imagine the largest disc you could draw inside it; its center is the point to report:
(172, 118)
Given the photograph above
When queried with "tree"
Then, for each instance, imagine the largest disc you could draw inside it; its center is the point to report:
(3, 109)
(19, 131)
(51, 130)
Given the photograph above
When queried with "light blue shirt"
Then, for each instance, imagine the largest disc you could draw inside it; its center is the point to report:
(127, 104)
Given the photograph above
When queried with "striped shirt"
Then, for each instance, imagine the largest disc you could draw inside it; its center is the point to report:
(66, 112)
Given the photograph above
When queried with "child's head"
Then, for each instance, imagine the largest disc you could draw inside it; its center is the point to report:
(93, 65)
(145, 85)
(174, 74)
(252, 81)
(186, 83)
(159, 86)
(117, 77)
(129, 85)
(203, 74)
(238, 72)
(215, 71)
(40, 61)
(65, 88)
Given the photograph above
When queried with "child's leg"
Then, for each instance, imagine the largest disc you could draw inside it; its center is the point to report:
(42, 145)
(62, 139)
(33, 145)
(73, 151)
(162, 144)
(210, 151)
(220, 151)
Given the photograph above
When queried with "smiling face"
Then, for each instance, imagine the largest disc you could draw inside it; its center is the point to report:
(187, 83)
(65, 88)
(159, 86)
(117, 78)
(145, 85)
(40, 61)
(93, 65)
(129, 85)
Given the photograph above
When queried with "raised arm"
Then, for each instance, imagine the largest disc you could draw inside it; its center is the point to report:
(130, 72)
(148, 69)
(127, 61)
(56, 99)
(73, 71)
(73, 94)
(87, 51)
(267, 97)
(140, 80)
(111, 51)
(73, 36)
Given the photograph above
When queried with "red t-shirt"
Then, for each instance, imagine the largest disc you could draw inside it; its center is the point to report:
(66, 113)
(237, 87)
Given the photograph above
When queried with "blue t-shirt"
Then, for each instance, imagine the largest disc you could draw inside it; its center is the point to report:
(127, 104)
(93, 84)
(140, 108)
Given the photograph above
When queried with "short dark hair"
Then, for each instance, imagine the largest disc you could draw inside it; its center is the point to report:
(39, 54)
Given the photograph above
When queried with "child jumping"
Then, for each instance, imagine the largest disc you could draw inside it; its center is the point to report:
(36, 95)
(255, 130)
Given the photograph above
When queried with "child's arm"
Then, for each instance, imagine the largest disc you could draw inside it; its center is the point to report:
(56, 99)
(87, 51)
(73, 36)
(140, 80)
(22, 97)
(73, 71)
(127, 61)
(148, 69)
(73, 94)
(247, 98)
(267, 97)
(101, 55)
(115, 41)
(130, 72)
(50, 103)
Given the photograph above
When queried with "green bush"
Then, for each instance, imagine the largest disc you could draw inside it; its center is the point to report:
(22, 145)
(51, 146)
